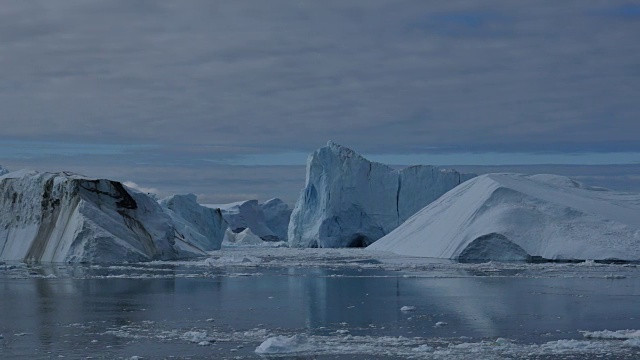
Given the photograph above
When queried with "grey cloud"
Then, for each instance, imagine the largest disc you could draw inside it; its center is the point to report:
(378, 75)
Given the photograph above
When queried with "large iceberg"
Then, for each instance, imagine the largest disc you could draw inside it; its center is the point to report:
(268, 221)
(204, 227)
(522, 217)
(64, 217)
(351, 201)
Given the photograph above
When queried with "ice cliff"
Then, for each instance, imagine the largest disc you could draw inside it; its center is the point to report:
(522, 217)
(203, 226)
(351, 201)
(269, 221)
(64, 217)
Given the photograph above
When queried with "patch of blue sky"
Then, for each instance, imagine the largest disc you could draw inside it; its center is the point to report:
(460, 23)
(628, 11)
(21, 149)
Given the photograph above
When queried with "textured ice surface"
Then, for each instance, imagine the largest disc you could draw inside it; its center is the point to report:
(349, 201)
(201, 226)
(64, 217)
(268, 221)
(516, 217)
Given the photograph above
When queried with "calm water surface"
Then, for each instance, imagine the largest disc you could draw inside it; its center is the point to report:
(226, 311)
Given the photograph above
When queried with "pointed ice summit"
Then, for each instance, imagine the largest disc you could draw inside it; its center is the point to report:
(65, 217)
(522, 217)
(350, 201)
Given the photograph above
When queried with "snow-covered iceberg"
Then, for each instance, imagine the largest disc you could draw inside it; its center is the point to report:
(65, 217)
(522, 217)
(269, 221)
(201, 226)
(351, 201)
(3, 171)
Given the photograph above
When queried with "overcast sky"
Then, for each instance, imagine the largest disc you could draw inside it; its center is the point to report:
(139, 89)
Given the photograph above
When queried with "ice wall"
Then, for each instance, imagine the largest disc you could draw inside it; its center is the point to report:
(351, 201)
(64, 217)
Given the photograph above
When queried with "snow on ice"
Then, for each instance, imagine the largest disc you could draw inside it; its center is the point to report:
(521, 217)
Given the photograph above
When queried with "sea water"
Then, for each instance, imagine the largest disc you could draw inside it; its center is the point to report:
(317, 304)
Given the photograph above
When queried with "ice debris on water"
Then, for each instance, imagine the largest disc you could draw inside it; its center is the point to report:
(283, 345)
(408, 308)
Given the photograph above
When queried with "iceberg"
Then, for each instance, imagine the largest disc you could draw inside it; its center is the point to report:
(201, 226)
(3, 171)
(276, 216)
(65, 217)
(522, 217)
(349, 201)
(268, 221)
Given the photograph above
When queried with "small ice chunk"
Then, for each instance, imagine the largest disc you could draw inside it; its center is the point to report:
(615, 335)
(195, 336)
(407, 308)
(341, 331)
(633, 342)
(283, 345)
(441, 323)
(423, 348)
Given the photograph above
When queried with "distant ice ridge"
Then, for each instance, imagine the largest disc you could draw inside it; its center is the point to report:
(269, 221)
(202, 226)
(351, 201)
(520, 217)
(65, 217)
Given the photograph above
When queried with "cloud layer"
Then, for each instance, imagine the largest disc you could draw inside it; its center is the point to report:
(383, 76)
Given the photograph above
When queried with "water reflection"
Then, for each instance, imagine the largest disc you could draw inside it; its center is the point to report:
(57, 312)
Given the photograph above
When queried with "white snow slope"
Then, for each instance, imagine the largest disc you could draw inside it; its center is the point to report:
(515, 217)
(64, 217)
(351, 201)
(269, 221)
(202, 226)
